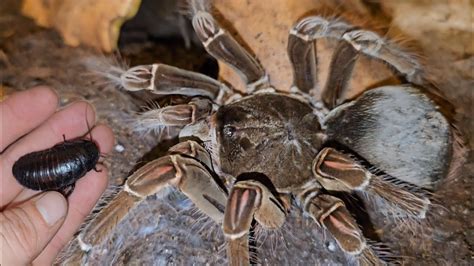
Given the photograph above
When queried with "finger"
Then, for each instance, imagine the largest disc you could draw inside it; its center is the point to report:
(24, 195)
(71, 121)
(25, 110)
(104, 138)
(26, 229)
(81, 202)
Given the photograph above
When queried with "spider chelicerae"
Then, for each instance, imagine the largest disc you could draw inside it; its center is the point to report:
(250, 156)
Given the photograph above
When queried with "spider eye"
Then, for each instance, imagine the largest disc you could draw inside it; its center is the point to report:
(229, 131)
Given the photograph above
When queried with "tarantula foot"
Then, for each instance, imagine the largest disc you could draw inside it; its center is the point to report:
(365, 41)
(334, 216)
(137, 78)
(316, 27)
(248, 200)
(310, 26)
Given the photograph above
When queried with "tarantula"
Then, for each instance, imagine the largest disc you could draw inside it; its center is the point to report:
(250, 155)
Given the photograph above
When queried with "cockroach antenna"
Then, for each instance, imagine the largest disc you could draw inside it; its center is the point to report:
(89, 129)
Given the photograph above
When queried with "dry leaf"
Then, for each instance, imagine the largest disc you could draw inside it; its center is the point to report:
(264, 27)
(448, 25)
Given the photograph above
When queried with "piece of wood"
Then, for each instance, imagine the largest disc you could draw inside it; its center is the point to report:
(90, 22)
(264, 25)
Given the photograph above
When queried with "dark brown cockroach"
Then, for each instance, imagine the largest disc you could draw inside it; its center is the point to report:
(59, 167)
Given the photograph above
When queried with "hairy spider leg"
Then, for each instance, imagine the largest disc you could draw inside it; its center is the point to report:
(353, 42)
(187, 167)
(249, 199)
(222, 46)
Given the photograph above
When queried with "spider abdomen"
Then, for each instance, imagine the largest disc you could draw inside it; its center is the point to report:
(397, 129)
(57, 167)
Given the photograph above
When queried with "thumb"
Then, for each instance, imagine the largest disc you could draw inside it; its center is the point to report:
(26, 229)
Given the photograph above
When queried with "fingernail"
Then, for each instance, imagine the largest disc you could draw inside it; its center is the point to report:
(52, 207)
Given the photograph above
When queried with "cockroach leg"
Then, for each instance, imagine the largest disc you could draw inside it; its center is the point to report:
(67, 191)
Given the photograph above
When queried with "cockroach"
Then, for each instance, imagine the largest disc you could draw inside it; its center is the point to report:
(59, 167)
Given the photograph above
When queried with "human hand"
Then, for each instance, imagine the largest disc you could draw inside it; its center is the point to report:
(35, 226)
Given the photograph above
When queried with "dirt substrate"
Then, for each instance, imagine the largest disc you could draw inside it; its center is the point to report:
(165, 231)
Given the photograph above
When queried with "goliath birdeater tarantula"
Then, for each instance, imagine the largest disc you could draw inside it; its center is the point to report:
(250, 156)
